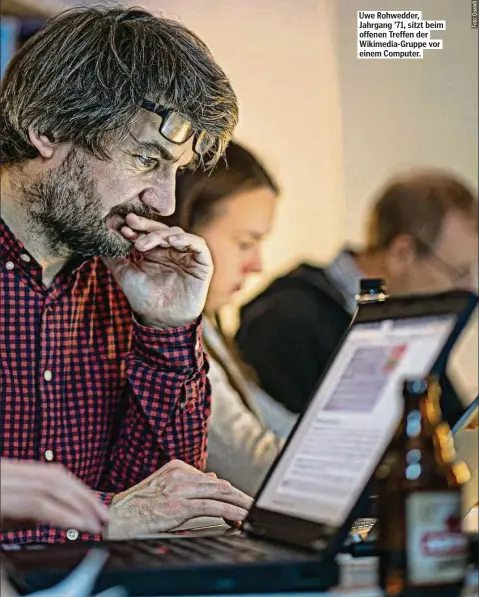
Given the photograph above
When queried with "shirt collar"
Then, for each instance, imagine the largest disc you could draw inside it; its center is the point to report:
(14, 250)
(346, 275)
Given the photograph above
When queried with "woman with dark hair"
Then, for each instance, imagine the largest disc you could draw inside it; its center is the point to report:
(232, 208)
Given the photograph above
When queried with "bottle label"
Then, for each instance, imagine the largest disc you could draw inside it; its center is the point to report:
(436, 547)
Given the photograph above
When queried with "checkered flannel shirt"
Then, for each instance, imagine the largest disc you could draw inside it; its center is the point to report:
(83, 384)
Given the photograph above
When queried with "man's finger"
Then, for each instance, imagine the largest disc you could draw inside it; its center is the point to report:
(181, 242)
(173, 236)
(218, 490)
(61, 516)
(198, 508)
(145, 224)
(130, 234)
(89, 501)
(77, 503)
(70, 493)
(83, 494)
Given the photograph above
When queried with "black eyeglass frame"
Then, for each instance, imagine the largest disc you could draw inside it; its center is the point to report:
(164, 113)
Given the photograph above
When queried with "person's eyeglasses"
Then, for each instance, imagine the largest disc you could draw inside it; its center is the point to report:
(455, 274)
(176, 129)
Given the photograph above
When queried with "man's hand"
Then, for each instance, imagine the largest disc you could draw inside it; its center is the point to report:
(168, 288)
(35, 492)
(173, 495)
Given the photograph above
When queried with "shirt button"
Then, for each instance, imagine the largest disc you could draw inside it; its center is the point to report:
(72, 534)
(48, 455)
(9, 265)
(47, 375)
(25, 257)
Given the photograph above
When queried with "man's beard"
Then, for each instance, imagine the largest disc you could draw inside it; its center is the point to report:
(65, 210)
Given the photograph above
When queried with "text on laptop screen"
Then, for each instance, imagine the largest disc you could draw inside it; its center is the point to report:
(352, 418)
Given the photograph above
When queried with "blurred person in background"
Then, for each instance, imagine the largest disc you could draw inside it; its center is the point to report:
(422, 238)
(232, 208)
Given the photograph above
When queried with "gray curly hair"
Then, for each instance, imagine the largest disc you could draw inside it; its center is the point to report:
(83, 76)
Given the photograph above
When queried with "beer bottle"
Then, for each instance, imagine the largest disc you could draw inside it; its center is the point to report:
(421, 546)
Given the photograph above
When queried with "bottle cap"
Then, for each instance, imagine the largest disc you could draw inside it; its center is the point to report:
(372, 290)
(416, 386)
(372, 285)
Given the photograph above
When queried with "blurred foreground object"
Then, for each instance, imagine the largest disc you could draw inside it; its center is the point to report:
(467, 448)
(422, 548)
(80, 582)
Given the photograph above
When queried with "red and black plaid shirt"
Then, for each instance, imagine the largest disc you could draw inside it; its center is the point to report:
(83, 384)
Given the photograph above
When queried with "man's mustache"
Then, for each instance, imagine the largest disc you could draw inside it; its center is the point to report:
(139, 210)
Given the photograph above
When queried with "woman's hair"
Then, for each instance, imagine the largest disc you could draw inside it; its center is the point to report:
(200, 193)
(82, 79)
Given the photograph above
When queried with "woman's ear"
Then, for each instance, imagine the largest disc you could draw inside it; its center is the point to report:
(45, 146)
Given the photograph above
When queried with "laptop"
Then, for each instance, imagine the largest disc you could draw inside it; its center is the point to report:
(316, 488)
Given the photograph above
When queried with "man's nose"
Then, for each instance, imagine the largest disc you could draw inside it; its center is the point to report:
(160, 196)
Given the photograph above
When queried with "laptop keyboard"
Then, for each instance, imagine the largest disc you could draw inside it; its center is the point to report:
(153, 553)
(235, 549)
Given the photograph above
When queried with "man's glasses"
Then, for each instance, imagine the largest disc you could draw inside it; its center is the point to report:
(455, 274)
(176, 129)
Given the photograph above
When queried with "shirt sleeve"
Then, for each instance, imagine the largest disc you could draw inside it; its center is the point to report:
(166, 405)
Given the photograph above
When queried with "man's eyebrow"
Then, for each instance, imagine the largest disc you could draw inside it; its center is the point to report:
(153, 147)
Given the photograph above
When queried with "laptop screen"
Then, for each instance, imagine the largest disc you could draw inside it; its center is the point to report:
(352, 417)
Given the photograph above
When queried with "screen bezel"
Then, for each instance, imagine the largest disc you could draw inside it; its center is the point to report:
(323, 538)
